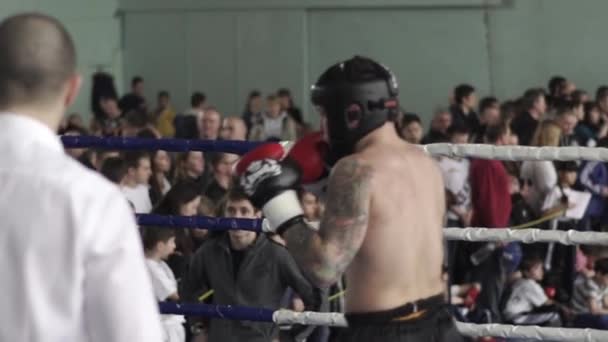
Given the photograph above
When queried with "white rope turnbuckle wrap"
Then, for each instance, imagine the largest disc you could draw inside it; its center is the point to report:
(514, 153)
(531, 235)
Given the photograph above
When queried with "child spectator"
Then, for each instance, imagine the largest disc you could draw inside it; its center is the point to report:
(275, 124)
(135, 185)
(159, 243)
(558, 198)
(411, 128)
(222, 164)
(159, 182)
(527, 303)
(455, 173)
(590, 298)
(182, 200)
(115, 170)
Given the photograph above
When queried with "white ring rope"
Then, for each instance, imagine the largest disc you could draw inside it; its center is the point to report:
(286, 317)
(531, 235)
(518, 153)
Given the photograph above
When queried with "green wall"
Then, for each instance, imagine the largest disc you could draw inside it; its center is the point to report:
(96, 32)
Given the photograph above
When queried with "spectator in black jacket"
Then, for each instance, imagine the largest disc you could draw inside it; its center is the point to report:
(524, 125)
(463, 110)
(244, 268)
(489, 115)
(438, 132)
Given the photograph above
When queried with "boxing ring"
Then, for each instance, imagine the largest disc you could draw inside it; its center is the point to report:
(286, 317)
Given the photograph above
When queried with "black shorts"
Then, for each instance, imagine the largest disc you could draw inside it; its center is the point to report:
(433, 324)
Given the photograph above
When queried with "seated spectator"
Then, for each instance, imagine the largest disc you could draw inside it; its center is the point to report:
(253, 109)
(135, 186)
(205, 208)
(590, 298)
(274, 124)
(134, 100)
(525, 123)
(164, 115)
(186, 124)
(244, 268)
(134, 122)
(104, 106)
(288, 106)
(566, 119)
(115, 170)
(442, 120)
(594, 179)
(521, 211)
(233, 128)
(222, 164)
(489, 115)
(410, 128)
(190, 166)
(541, 175)
(210, 124)
(463, 111)
(592, 128)
(455, 173)
(527, 303)
(159, 182)
(558, 198)
(159, 243)
(98, 156)
(182, 200)
(555, 87)
(83, 155)
(75, 120)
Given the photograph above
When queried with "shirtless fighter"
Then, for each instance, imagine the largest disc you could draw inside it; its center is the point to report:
(384, 209)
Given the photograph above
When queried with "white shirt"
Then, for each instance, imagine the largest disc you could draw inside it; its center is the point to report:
(164, 285)
(70, 256)
(526, 295)
(139, 196)
(586, 289)
(455, 173)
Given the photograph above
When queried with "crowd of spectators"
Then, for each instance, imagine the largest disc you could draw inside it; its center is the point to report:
(537, 284)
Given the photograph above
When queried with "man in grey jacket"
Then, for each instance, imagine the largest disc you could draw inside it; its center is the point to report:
(244, 268)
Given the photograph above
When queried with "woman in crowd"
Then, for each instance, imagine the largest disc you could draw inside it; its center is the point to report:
(159, 182)
(541, 175)
(253, 109)
(190, 166)
(593, 127)
(222, 164)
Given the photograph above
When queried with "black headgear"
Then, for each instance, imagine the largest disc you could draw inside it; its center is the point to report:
(357, 96)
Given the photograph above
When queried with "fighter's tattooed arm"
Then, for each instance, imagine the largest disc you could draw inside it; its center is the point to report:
(324, 255)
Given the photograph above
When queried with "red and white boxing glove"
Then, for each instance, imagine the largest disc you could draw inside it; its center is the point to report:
(271, 185)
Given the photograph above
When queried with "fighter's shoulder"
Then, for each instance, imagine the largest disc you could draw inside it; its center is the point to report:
(355, 166)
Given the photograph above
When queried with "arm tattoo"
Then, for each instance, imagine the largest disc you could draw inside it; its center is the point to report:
(324, 255)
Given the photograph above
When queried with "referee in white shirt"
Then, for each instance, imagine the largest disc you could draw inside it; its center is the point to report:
(70, 257)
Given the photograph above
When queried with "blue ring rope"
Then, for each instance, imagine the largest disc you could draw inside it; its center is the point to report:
(232, 312)
(171, 145)
(204, 222)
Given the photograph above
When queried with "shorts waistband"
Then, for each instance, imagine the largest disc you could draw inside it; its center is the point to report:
(406, 312)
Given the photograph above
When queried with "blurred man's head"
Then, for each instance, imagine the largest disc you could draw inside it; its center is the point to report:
(138, 165)
(459, 134)
(163, 99)
(464, 96)
(567, 120)
(601, 97)
(411, 128)
(534, 102)
(499, 134)
(137, 85)
(37, 68)
(233, 128)
(532, 268)
(489, 111)
(442, 120)
(197, 100)
(210, 124)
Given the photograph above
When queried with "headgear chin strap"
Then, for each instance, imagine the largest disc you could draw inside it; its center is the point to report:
(357, 96)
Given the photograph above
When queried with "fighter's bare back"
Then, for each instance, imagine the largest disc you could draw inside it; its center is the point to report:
(400, 258)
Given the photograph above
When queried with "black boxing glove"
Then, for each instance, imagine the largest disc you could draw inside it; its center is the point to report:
(271, 184)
